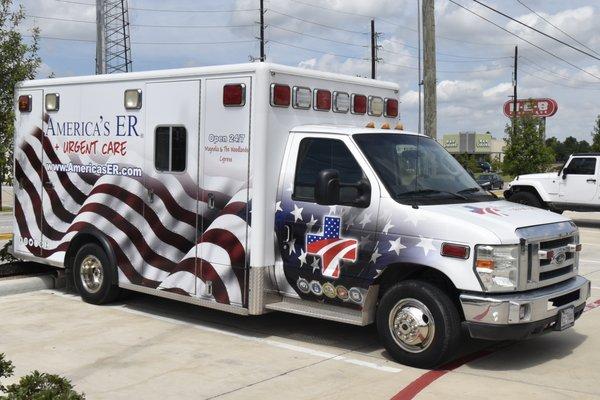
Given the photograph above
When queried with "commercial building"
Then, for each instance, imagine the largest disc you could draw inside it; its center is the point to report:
(479, 144)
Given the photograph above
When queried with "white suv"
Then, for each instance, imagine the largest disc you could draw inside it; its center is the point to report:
(575, 187)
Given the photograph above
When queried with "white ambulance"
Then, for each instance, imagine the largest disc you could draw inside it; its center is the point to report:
(258, 187)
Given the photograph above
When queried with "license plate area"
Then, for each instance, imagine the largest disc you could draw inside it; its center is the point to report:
(566, 318)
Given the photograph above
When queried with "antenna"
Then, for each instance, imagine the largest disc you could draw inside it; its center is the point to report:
(113, 41)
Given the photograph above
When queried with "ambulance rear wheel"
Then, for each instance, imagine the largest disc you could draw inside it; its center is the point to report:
(94, 275)
(418, 324)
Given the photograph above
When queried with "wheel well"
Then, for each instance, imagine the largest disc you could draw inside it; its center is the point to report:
(82, 239)
(395, 273)
(529, 189)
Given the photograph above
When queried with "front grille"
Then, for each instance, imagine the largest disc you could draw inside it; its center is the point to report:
(542, 272)
(544, 276)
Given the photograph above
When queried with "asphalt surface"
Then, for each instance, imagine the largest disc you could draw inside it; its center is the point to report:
(151, 348)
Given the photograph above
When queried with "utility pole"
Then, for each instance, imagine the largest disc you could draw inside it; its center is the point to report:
(373, 50)
(419, 62)
(514, 119)
(429, 73)
(113, 41)
(262, 31)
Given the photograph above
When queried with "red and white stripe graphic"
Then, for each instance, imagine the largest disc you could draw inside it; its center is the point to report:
(155, 243)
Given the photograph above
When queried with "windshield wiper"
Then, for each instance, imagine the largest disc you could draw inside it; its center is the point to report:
(470, 190)
(430, 191)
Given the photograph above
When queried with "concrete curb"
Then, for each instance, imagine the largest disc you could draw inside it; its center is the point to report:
(29, 284)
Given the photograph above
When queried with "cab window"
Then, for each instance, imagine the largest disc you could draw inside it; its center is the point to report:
(317, 154)
(582, 166)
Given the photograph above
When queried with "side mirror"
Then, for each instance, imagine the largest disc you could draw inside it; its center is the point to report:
(327, 187)
(486, 185)
(565, 173)
(363, 188)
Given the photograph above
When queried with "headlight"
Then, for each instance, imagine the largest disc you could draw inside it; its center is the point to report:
(497, 267)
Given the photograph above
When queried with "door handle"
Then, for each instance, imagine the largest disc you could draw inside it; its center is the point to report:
(288, 233)
(48, 185)
(591, 181)
(211, 201)
(150, 195)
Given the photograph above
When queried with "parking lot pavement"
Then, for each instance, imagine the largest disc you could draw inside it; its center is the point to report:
(145, 347)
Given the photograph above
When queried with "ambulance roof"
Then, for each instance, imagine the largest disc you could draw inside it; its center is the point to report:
(348, 130)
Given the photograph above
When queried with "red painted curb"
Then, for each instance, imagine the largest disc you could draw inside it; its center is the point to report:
(417, 386)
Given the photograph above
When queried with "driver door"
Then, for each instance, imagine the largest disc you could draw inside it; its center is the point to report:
(580, 181)
(325, 249)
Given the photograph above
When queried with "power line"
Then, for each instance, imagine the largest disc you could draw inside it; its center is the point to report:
(165, 9)
(525, 40)
(317, 23)
(556, 27)
(537, 30)
(448, 61)
(316, 51)
(143, 25)
(146, 43)
(557, 83)
(316, 36)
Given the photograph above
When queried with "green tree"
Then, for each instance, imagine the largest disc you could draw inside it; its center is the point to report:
(571, 145)
(526, 152)
(596, 135)
(584, 147)
(18, 61)
(36, 386)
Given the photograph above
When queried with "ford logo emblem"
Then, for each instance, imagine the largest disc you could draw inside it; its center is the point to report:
(560, 258)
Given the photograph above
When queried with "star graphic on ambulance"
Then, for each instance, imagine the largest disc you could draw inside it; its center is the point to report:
(331, 248)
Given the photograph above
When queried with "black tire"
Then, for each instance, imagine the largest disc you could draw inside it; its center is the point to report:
(526, 198)
(446, 337)
(95, 285)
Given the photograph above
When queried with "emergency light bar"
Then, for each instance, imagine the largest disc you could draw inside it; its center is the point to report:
(301, 97)
(375, 106)
(359, 104)
(322, 100)
(280, 95)
(234, 95)
(341, 102)
(391, 108)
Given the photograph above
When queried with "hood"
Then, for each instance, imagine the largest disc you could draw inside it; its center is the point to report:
(545, 175)
(500, 218)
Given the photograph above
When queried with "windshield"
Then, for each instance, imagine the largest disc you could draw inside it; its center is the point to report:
(486, 176)
(417, 170)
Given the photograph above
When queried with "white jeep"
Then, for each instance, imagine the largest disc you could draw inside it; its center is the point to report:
(575, 187)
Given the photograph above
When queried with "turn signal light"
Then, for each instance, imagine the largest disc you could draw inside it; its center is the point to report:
(455, 250)
(483, 263)
(280, 95)
(25, 103)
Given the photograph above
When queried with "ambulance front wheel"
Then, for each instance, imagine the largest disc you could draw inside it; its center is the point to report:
(94, 275)
(418, 324)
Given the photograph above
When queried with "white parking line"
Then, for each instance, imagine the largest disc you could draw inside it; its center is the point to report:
(269, 342)
(591, 244)
(590, 261)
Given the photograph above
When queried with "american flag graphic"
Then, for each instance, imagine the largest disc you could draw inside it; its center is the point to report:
(331, 248)
(156, 244)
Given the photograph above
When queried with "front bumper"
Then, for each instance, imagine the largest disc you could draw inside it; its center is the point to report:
(511, 316)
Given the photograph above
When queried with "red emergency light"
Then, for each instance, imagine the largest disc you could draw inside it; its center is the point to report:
(391, 108)
(234, 95)
(25, 103)
(280, 95)
(322, 100)
(359, 104)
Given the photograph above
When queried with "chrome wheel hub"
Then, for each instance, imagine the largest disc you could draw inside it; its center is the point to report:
(92, 274)
(412, 325)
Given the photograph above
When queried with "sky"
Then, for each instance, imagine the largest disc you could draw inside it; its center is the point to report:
(474, 57)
